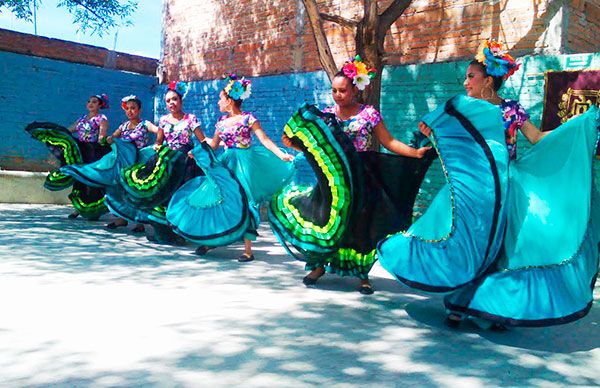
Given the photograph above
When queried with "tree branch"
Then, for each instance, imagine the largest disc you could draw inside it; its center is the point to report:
(325, 56)
(89, 9)
(342, 21)
(392, 13)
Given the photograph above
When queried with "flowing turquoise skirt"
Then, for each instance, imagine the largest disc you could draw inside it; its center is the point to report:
(460, 235)
(222, 206)
(261, 174)
(522, 251)
(105, 173)
(210, 210)
(547, 273)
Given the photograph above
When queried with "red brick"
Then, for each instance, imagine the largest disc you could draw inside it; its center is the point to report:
(39, 46)
(263, 40)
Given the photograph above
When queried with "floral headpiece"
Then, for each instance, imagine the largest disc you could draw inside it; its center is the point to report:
(126, 99)
(357, 71)
(497, 62)
(237, 89)
(180, 87)
(103, 98)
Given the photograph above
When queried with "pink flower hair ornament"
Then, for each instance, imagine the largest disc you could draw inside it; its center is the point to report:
(497, 61)
(358, 72)
(103, 98)
(237, 89)
(179, 87)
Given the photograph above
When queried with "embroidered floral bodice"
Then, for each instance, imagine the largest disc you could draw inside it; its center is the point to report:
(514, 116)
(179, 135)
(137, 135)
(359, 127)
(89, 130)
(236, 132)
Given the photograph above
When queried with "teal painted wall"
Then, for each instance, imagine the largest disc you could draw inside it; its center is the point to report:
(410, 92)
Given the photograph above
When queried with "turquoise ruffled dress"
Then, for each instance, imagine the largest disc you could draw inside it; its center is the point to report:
(513, 243)
(223, 206)
(212, 209)
(126, 151)
(146, 187)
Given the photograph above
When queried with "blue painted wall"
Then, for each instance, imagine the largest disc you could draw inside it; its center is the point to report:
(408, 93)
(273, 99)
(40, 89)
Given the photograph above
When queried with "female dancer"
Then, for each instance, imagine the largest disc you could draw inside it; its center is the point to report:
(549, 261)
(147, 187)
(258, 170)
(134, 130)
(359, 196)
(90, 131)
(133, 136)
(81, 143)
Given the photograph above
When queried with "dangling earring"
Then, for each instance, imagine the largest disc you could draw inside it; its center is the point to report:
(483, 97)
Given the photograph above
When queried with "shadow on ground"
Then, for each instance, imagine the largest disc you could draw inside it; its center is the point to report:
(87, 306)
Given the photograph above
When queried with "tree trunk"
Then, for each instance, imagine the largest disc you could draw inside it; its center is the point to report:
(325, 56)
(369, 39)
(368, 47)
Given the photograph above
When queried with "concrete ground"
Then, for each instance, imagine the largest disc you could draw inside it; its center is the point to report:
(82, 306)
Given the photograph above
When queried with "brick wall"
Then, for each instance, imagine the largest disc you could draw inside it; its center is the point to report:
(47, 79)
(203, 39)
(583, 26)
(39, 46)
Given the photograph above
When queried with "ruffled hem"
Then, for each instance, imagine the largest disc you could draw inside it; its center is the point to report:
(289, 211)
(151, 184)
(210, 210)
(87, 206)
(474, 210)
(346, 262)
(534, 297)
(104, 172)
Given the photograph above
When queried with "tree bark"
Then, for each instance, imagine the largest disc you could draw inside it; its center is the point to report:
(367, 46)
(369, 39)
(316, 23)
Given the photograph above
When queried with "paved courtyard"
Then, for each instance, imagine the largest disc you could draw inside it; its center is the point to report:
(82, 306)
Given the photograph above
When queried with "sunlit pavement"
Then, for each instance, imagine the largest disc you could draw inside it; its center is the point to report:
(84, 306)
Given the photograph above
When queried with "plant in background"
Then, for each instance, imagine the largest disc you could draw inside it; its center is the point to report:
(91, 16)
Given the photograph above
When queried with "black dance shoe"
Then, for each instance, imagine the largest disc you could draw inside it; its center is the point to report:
(453, 321)
(244, 259)
(366, 289)
(308, 281)
(203, 250)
